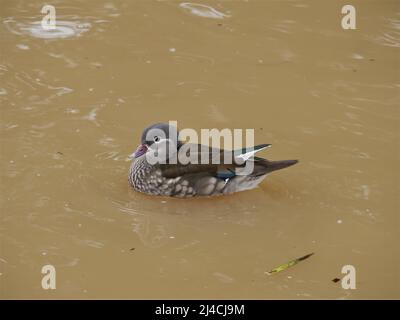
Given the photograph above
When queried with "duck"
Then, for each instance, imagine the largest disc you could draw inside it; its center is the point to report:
(183, 179)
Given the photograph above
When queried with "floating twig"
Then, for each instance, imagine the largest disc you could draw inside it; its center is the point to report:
(289, 264)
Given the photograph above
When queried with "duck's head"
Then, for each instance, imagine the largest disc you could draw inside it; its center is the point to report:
(157, 140)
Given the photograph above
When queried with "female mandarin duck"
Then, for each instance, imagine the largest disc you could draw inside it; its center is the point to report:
(194, 178)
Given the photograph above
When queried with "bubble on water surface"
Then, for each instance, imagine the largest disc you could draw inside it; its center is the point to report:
(203, 11)
(64, 29)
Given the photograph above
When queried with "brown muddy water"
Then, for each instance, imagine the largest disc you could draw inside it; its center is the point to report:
(74, 102)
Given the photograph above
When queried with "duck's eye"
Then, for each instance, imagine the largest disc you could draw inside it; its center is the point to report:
(156, 138)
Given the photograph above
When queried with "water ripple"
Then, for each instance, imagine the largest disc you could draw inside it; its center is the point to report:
(203, 11)
(64, 29)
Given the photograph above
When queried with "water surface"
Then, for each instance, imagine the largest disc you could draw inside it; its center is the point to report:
(74, 103)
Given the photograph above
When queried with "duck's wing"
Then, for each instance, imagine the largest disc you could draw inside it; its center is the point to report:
(221, 163)
(203, 154)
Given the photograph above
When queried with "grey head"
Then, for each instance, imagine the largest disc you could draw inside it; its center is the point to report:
(157, 131)
(160, 139)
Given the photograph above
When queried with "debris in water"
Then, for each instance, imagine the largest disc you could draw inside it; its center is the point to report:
(289, 264)
(335, 280)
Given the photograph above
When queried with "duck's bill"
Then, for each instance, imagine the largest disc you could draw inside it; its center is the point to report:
(141, 150)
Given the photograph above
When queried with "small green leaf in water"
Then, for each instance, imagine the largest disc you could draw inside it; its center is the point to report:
(289, 264)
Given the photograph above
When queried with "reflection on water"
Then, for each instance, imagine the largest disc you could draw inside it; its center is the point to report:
(155, 221)
(74, 102)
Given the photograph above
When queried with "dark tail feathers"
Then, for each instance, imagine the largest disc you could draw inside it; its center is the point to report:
(269, 166)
